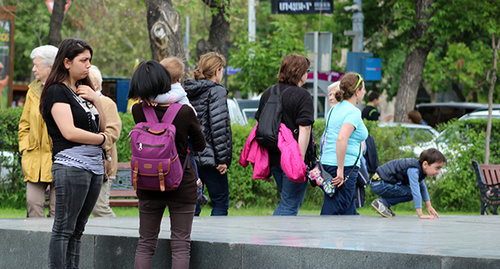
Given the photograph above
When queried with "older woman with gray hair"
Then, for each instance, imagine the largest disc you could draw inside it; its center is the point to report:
(113, 129)
(35, 144)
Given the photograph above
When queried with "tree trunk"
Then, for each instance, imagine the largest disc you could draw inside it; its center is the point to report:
(56, 21)
(165, 32)
(493, 81)
(419, 47)
(219, 29)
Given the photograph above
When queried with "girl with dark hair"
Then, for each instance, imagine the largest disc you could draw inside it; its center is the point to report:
(341, 148)
(298, 116)
(209, 98)
(149, 80)
(75, 121)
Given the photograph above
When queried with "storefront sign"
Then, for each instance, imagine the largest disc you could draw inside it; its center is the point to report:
(301, 6)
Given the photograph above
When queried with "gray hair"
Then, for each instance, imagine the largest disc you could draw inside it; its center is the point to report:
(95, 77)
(47, 54)
(333, 85)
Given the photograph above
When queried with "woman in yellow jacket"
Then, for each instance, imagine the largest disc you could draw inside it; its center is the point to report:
(35, 143)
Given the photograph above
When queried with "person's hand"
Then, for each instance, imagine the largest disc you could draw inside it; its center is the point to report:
(421, 215)
(222, 168)
(151, 103)
(87, 93)
(432, 212)
(339, 179)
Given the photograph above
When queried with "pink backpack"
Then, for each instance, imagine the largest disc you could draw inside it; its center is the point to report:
(155, 163)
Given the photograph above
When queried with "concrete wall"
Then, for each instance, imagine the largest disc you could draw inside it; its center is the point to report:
(28, 249)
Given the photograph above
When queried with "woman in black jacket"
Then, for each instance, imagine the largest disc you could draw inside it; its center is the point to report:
(209, 98)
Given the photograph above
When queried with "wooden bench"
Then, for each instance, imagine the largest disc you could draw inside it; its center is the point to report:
(488, 179)
(122, 192)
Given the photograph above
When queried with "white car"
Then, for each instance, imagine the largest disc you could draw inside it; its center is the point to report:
(421, 131)
(483, 114)
(240, 110)
(6, 157)
(235, 113)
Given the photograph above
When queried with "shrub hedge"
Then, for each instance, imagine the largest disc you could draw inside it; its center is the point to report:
(455, 190)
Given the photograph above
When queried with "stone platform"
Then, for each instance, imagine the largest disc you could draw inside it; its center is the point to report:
(276, 242)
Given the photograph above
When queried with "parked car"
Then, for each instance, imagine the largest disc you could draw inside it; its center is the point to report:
(6, 157)
(483, 114)
(420, 132)
(248, 107)
(240, 110)
(235, 113)
(435, 113)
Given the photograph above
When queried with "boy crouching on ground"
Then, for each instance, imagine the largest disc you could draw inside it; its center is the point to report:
(402, 180)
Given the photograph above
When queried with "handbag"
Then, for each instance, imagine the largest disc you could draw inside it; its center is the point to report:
(329, 188)
(317, 174)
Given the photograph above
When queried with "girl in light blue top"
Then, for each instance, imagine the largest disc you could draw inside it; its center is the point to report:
(341, 145)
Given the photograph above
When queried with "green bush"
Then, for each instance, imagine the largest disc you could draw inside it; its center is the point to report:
(243, 190)
(123, 144)
(456, 189)
(12, 190)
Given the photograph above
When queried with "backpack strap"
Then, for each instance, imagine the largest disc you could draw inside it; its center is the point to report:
(171, 113)
(149, 113)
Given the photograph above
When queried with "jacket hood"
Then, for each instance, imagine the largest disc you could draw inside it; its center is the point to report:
(195, 88)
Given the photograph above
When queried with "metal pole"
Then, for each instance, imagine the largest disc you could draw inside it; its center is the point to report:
(186, 39)
(357, 27)
(251, 21)
(315, 83)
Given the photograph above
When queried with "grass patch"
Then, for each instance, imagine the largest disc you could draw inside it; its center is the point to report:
(254, 210)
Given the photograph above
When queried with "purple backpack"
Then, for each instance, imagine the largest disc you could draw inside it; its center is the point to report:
(155, 163)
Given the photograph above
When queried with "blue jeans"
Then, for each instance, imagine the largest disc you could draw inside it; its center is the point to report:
(77, 191)
(342, 202)
(218, 190)
(391, 193)
(292, 194)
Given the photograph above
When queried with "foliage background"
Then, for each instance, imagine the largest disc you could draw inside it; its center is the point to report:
(459, 61)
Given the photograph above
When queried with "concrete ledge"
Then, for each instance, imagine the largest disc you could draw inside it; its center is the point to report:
(275, 242)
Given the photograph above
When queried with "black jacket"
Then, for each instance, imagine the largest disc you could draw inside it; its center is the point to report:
(210, 101)
(396, 171)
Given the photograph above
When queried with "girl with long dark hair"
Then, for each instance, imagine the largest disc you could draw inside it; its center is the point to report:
(75, 121)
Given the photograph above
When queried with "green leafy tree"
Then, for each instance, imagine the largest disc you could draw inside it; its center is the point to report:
(260, 60)
(56, 22)
(463, 67)
(31, 30)
(392, 33)
(116, 31)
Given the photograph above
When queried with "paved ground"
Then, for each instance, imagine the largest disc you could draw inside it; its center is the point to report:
(455, 236)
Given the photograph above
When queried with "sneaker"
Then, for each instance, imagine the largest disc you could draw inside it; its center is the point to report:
(392, 212)
(382, 209)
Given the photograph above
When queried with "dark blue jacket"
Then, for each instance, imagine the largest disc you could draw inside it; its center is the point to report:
(396, 171)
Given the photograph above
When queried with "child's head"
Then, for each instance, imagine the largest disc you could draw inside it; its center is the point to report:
(432, 160)
(175, 67)
(414, 117)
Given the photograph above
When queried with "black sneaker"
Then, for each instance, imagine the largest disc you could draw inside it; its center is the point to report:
(392, 212)
(382, 209)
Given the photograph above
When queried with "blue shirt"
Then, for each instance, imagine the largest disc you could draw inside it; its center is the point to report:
(418, 190)
(344, 112)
